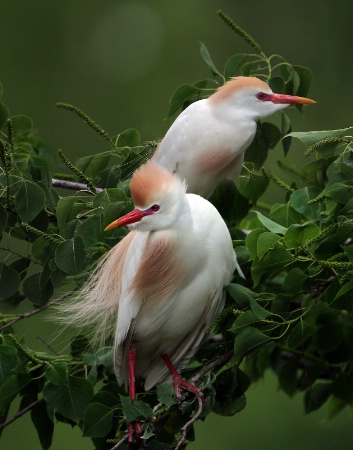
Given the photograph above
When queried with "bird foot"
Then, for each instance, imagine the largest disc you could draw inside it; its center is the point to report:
(135, 433)
(180, 384)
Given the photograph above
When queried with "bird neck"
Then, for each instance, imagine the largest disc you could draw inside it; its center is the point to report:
(233, 112)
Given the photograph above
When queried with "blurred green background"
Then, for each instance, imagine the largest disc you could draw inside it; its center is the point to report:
(120, 61)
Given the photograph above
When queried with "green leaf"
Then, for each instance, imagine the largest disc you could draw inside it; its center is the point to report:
(312, 137)
(109, 178)
(286, 127)
(231, 205)
(108, 196)
(292, 84)
(9, 281)
(340, 192)
(294, 281)
(109, 394)
(128, 138)
(299, 200)
(135, 410)
(297, 235)
(341, 300)
(305, 78)
(98, 420)
(43, 425)
(3, 218)
(251, 241)
(265, 242)
(43, 250)
(267, 136)
(184, 94)
(57, 276)
(317, 395)
(208, 60)
(252, 185)
(8, 362)
(287, 377)
(166, 395)
(91, 230)
(29, 201)
(230, 386)
(57, 373)
(70, 400)
(240, 294)
(270, 224)
(300, 333)
(277, 84)
(258, 310)
(70, 256)
(37, 289)
(233, 65)
(11, 387)
(348, 250)
(276, 259)
(342, 388)
(94, 164)
(313, 173)
(249, 339)
(68, 208)
(244, 320)
(284, 215)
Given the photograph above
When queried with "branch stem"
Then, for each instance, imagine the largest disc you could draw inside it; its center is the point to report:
(36, 311)
(21, 413)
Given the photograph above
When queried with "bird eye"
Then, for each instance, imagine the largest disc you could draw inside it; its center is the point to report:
(261, 96)
(155, 208)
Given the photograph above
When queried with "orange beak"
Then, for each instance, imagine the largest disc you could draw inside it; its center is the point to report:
(289, 99)
(134, 216)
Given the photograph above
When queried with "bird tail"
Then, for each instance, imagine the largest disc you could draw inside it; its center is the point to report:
(95, 306)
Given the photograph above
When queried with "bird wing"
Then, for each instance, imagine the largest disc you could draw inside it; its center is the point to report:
(185, 350)
(183, 137)
(151, 273)
(202, 147)
(128, 305)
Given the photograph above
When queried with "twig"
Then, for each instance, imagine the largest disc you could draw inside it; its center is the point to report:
(120, 442)
(189, 424)
(36, 311)
(21, 413)
(72, 185)
(213, 365)
(49, 347)
(157, 407)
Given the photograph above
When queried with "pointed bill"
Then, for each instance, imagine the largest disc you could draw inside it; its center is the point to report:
(132, 217)
(289, 99)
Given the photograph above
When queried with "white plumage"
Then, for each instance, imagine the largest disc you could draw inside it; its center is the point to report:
(162, 285)
(207, 141)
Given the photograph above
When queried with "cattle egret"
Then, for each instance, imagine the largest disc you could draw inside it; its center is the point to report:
(207, 141)
(161, 285)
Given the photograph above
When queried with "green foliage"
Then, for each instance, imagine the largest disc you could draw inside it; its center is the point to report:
(292, 313)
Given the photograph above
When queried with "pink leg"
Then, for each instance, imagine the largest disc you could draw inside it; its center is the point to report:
(179, 383)
(135, 429)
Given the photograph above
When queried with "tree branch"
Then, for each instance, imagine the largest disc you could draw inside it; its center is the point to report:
(117, 445)
(189, 424)
(72, 185)
(213, 365)
(21, 413)
(36, 311)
